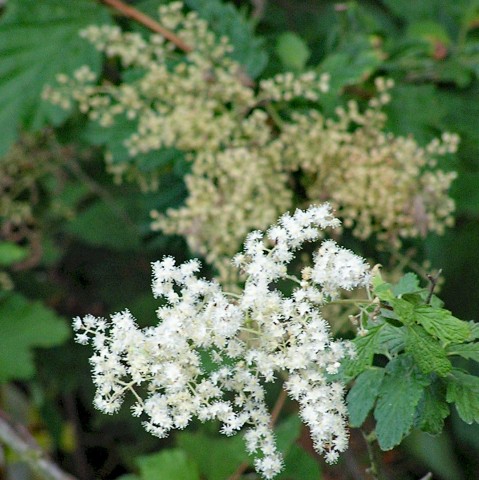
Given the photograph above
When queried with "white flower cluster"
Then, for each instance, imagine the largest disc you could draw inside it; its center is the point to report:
(254, 338)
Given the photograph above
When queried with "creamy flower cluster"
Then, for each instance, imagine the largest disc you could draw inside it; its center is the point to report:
(266, 144)
(252, 338)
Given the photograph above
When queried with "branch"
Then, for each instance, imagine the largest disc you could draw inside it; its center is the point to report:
(148, 22)
(24, 445)
(433, 279)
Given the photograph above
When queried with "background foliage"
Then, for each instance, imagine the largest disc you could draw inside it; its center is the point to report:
(74, 242)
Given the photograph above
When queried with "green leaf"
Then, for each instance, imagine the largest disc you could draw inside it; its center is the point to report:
(427, 352)
(299, 465)
(441, 324)
(432, 409)
(37, 41)
(11, 253)
(474, 326)
(382, 289)
(102, 226)
(225, 19)
(391, 339)
(172, 464)
(347, 68)
(366, 346)
(217, 457)
(436, 453)
(399, 394)
(430, 31)
(408, 283)
(404, 310)
(287, 432)
(465, 350)
(415, 110)
(463, 390)
(465, 193)
(362, 396)
(292, 50)
(25, 325)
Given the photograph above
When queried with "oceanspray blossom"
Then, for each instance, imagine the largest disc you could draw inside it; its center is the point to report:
(252, 338)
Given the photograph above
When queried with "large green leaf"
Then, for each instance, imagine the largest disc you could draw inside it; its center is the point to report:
(300, 465)
(37, 41)
(217, 457)
(23, 326)
(172, 464)
(408, 283)
(399, 395)
(104, 225)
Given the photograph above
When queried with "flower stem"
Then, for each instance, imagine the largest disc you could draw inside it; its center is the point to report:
(148, 22)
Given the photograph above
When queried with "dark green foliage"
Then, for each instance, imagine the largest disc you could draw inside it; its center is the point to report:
(418, 381)
(38, 40)
(225, 19)
(24, 326)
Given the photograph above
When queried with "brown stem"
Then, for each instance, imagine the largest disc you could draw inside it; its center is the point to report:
(432, 285)
(274, 418)
(24, 445)
(148, 22)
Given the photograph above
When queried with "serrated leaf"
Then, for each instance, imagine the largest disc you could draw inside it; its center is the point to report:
(432, 409)
(408, 283)
(11, 253)
(392, 339)
(463, 391)
(362, 396)
(465, 350)
(366, 346)
(292, 50)
(427, 352)
(172, 464)
(38, 40)
(218, 457)
(24, 326)
(225, 19)
(404, 310)
(441, 324)
(399, 394)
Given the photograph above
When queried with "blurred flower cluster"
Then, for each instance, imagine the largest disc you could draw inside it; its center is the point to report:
(252, 147)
